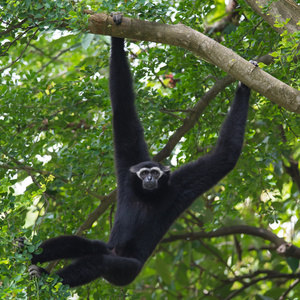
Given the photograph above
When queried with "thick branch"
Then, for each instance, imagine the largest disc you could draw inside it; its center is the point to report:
(278, 11)
(192, 40)
(282, 247)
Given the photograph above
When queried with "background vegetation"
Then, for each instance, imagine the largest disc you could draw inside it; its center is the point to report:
(56, 150)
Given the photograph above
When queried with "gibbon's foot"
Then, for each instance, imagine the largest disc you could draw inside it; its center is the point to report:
(19, 243)
(35, 271)
(117, 17)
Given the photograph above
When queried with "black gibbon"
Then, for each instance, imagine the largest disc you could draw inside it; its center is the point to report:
(150, 197)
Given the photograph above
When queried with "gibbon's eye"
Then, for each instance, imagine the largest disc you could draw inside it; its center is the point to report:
(154, 172)
(144, 173)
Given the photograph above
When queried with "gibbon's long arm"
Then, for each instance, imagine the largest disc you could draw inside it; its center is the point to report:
(193, 179)
(130, 147)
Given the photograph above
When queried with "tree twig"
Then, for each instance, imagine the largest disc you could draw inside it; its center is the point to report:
(1, 70)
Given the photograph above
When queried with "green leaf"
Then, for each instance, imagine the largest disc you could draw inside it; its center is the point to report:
(86, 41)
(163, 270)
(293, 263)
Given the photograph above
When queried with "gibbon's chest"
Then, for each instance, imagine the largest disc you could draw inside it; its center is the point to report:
(136, 235)
(140, 217)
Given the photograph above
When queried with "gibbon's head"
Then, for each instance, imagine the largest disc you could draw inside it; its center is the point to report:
(150, 176)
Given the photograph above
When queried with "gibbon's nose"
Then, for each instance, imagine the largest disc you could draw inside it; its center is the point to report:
(149, 183)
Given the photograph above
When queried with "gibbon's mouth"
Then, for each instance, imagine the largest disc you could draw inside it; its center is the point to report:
(150, 185)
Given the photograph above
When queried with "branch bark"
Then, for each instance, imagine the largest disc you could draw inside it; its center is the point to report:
(201, 45)
(282, 247)
(278, 11)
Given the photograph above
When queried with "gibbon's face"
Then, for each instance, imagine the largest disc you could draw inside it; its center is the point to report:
(149, 177)
(150, 174)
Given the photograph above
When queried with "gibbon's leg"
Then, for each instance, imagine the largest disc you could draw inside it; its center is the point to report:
(130, 146)
(115, 269)
(68, 247)
(121, 270)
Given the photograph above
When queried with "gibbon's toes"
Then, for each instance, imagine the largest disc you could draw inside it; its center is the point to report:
(19, 243)
(117, 17)
(253, 62)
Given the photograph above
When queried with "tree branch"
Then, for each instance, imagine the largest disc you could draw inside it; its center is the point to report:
(201, 45)
(284, 295)
(31, 169)
(282, 247)
(106, 201)
(271, 275)
(232, 16)
(8, 66)
(278, 11)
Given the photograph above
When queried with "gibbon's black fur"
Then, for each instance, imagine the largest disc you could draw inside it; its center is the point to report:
(150, 197)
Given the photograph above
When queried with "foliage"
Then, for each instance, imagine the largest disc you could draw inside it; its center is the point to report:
(56, 150)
